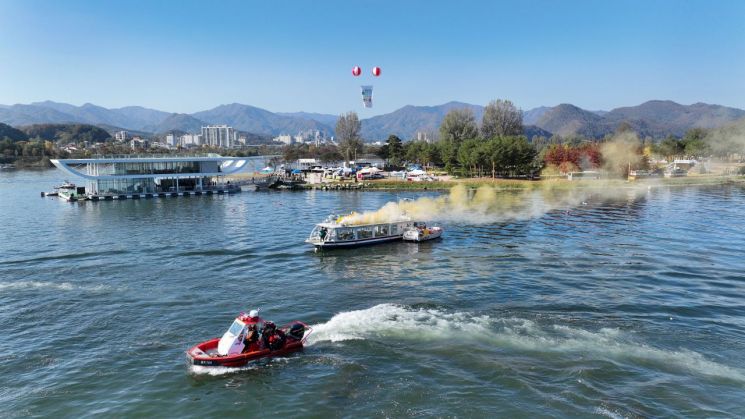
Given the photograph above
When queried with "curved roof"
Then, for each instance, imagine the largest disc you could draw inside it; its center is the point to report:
(227, 166)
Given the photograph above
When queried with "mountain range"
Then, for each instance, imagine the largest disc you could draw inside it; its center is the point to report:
(260, 121)
(656, 118)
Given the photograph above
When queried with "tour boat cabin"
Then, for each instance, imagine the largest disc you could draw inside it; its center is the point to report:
(335, 233)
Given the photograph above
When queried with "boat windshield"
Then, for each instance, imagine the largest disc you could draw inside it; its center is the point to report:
(235, 328)
(315, 234)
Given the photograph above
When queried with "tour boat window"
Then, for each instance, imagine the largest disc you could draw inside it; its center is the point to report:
(381, 230)
(364, 232)
(344, 234)
(394, 229)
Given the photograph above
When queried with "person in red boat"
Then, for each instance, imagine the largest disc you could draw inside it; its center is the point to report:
(252, 339)
(254, 324)
(273, 338)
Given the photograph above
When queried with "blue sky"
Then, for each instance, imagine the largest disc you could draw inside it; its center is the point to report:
(289, 56)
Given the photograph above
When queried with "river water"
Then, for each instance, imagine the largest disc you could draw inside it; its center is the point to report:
(625, 307)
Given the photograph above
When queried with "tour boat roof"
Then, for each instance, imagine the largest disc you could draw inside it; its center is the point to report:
(119, 167)
(334, 224)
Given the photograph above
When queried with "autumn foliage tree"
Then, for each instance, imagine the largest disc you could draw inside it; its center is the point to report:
(567, 158)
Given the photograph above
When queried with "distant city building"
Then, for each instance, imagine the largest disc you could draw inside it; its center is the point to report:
(315, 137)
(171, 140)
(284, 139)
(190, 140)
(425, 136)
(219, 136)
(138, 142)
(309, 136)
(121, 136)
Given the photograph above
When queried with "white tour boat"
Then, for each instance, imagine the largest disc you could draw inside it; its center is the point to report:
(335, 232)
(420, 233)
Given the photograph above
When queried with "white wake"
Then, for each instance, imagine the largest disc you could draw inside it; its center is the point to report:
(40, 285)
(399, 323)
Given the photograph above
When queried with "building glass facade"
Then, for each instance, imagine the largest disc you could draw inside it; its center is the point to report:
(152, 175)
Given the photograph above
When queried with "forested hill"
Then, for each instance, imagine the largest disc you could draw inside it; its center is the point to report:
(10, 133)
(655, 118)
(67, 133)
(406, 121)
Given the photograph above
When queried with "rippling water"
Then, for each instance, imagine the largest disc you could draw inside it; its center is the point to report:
(630, 307)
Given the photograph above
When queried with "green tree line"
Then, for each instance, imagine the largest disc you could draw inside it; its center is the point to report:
(496, 148)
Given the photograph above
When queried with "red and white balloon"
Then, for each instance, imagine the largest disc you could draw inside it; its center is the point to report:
(367, 91)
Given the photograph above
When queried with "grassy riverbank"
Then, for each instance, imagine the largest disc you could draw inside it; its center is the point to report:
(516, 184)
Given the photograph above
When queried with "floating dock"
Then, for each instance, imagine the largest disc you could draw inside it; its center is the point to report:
(110, 197)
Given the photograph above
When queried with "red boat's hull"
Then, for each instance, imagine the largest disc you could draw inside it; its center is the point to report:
(198, 356)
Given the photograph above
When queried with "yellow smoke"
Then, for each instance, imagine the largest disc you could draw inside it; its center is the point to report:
(622, 151)
(490, 205)
(389, 213)
(485, 205)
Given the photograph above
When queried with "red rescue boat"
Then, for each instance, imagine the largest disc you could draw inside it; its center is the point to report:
(249, 338)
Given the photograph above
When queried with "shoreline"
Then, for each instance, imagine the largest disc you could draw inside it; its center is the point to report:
(498, 184)
(522, 185)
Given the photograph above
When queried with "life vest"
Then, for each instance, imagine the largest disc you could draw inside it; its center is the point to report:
(276, 340)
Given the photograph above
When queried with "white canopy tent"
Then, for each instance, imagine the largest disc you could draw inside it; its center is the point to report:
(370, 170)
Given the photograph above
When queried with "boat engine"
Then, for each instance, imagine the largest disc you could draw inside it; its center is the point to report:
(297, 331)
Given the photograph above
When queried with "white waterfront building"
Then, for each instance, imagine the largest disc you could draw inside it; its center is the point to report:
(148, 176)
